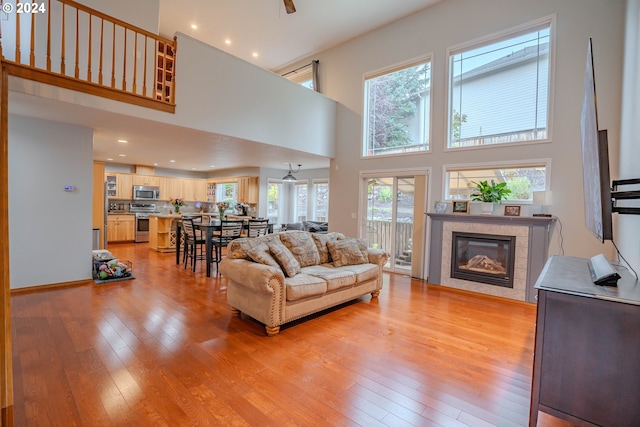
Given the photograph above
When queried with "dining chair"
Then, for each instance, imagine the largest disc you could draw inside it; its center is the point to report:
(194, 243)
(257, 227)
(229, 230)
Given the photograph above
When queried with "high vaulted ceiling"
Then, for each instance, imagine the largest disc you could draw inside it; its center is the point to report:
(263, 26)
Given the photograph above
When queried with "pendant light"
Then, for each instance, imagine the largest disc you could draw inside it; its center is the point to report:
(289, 177)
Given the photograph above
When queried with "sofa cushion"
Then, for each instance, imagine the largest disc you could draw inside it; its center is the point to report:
(336, 278)
(287, 261)
(321, 244)
(363, 272)
(261, 254)
(304, 286)
(302, 246)
(348, 252)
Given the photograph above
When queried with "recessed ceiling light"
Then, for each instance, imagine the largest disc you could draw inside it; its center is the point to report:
(122, 155)
(124, 141)
(254, 54)
(227, 42)
(212, 166)
(194, 27)
(193, 169)
(155, 164)
(172, 161)
(109, 158)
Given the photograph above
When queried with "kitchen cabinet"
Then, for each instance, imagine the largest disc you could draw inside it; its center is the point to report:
(124, 189)
(189, 189)
(148, 180)
(170, 188)
(248, 187)
(194, 189)
(119, 185)
(121, 228)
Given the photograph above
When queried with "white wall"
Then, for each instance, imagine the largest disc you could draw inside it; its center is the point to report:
(221, 94)
(50, 237)
(452, 22)
(141, 13)
(627, 228)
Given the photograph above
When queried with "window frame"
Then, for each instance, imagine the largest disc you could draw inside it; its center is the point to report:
(281, 217)
(426, 58)
(294, 205)
(496, 37)
(516, 164)
(314, 197)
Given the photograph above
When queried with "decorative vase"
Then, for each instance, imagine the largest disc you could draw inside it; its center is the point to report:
(487, 208)
(177, 209)
(221, 213)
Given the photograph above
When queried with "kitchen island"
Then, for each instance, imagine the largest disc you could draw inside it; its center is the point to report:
(162, 229)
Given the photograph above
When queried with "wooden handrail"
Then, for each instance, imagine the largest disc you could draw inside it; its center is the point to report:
(63, 35)
(115, 21)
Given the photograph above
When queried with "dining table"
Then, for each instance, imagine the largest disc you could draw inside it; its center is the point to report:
(208, 229)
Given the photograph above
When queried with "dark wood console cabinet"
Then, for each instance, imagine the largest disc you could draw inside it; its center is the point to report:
(586, 366)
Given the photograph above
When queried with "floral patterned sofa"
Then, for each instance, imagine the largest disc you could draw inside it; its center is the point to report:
(282, 277)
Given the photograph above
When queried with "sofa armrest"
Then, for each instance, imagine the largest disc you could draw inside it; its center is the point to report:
(377, 256)
(253, 275)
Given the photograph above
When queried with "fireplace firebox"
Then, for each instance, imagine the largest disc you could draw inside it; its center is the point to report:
(484, 258)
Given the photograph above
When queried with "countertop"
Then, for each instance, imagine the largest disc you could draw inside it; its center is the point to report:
(181, 215)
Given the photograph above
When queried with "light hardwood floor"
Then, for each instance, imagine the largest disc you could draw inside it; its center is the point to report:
(164, 350)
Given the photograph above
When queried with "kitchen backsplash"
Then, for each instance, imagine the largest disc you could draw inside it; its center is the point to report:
(117, 205)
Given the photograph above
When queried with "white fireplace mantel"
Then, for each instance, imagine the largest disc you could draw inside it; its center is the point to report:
(535, 232)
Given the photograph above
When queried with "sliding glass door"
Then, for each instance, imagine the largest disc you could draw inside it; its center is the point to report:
(392, 210)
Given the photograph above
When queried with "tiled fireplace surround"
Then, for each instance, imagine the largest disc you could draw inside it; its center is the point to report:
(532, 244)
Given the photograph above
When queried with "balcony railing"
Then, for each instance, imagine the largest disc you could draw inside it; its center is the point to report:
(378, 234)
(67, 44)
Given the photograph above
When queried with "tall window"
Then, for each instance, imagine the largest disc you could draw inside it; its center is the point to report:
(300, 201)
(499, 89)
(227, 192)
(320, 200)
(522, 179)
(274, 202)
(397, 110)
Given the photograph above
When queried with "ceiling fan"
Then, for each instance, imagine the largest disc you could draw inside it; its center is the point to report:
(288, 5)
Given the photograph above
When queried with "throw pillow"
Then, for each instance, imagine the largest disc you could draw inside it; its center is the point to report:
(287, 261)
(321, 244)
(262, 255)
(347, 252)
(302, 246)
(315, 226)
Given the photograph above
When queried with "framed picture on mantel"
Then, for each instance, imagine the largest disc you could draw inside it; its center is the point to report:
(512, 211)
(460, 207)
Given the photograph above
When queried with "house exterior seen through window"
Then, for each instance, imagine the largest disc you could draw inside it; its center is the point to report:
(499, 90)
(522, 180)
(397, 110)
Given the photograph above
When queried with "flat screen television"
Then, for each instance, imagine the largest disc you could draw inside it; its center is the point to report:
(595, 161)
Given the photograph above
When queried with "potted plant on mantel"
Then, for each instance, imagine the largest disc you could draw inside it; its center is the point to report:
(489, 194)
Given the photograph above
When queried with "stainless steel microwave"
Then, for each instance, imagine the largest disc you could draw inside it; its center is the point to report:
(144, 192)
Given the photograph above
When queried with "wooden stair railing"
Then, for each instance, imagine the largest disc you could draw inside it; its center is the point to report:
(95, 54)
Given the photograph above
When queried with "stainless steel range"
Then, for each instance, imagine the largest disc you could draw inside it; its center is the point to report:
(142, 211)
